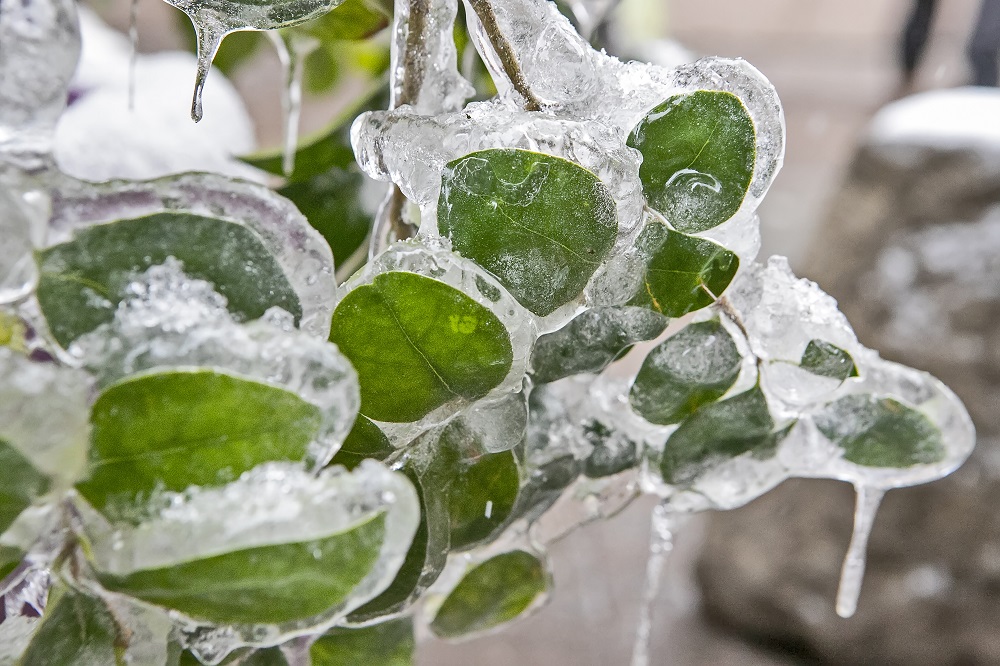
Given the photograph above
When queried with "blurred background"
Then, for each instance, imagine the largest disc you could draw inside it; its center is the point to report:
(889, 198)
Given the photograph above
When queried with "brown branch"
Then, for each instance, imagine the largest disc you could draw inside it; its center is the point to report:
(505, 51)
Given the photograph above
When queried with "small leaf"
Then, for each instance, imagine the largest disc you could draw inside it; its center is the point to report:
(541, 224)
(364, 441)
(592, 340)
(264, 584)
(353, 19)
(75, 629)
(698, 153)
(418, 344)
(613, 452)
(388, 643)
(718, 432)
(172, 430)
(822, 358)
(83, 280)
(682, 272)
(689, 369)
(491, 594)
(881, 432)
(22, 484)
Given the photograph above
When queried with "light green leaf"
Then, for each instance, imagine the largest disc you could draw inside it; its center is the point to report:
(881, 432)
(364, 441)
(83, 280)
(682, 272)
(22, 484)
(264, 584)
(75, 629)
(698, 153)
(353, 19)
(389, 643)
(694, 367)
(172, 430)
(491, 594)
(824, 359)
(592, 340)
(418, 344)
(541, 224)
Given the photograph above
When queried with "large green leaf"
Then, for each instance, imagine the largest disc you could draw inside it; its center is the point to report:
(22, 484)
(827, 360)
(490, 594)
(172, 430)
(698, 153)
(83, 280)
(541, 224)
(364, 441)
(695, 366)
(75, 629)
(417, 344)
(718, 432)
(682, 272)
(386, 644)
(592, 340)
(264, 584)
(881, 432)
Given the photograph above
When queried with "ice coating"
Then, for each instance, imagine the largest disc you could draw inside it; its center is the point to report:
(300, 250)
(271, 504)
(853, 571)
(23, 598)
(293, 48)
(169, 321)
(492, 425)
(18, 271)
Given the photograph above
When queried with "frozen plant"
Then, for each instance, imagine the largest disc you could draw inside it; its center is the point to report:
(213, 453)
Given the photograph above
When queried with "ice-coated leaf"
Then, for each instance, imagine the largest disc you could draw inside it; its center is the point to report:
(881, 432)
(613, 451)
(365, 440)
(261, 585)
(827, 360)
(10, 557)
(698, 154)
(417, 344)
(717, 432)
(541, 224)
(22, 484)
(75, 629)
(388, 643)
(353, 19)
(694, 367)
(682, 273)
(592, 340)
(171, 430)
(84, 279)
(491, 593)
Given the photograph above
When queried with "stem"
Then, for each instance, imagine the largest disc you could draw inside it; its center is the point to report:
(505, 51)
(414, 56)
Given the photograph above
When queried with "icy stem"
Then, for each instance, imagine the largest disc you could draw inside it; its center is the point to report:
(866, 506)
(293, 48)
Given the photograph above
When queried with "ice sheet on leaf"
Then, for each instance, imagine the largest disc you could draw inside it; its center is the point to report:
(18, 271)
(273, 504)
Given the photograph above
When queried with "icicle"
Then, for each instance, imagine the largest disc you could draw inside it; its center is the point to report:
(865, 507)
(210, 33)
(292, 48)
(133, 38)
(664, 524)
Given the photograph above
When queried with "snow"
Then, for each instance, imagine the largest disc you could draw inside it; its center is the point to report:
(956, 119)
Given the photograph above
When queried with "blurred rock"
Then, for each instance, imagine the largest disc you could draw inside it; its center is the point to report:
(911, 249)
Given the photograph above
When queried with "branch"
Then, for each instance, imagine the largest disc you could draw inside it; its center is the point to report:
(505, 51)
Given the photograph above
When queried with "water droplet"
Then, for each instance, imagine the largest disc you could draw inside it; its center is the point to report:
(865, 507)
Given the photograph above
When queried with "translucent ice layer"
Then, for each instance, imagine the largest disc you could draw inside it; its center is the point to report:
(18, 271)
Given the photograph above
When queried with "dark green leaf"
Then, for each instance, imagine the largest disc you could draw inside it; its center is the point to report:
(541, 224)
(22, 484)
(10, 557)
(698, 153)
(682, 272)
(881, 432)
(172, 430)
(822, 358)
(267, 657)
(613, 452)
(332, 203)
(592, 340)
(693, 367)
(364, 441)
(264, 584)
(417, 344)
(75, 629)
(84, 279)
(387, 644)
(718, 432)
(491, 594)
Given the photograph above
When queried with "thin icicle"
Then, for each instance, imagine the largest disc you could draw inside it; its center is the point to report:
(210, 33)
(865, 507)
(293, 48)
(133, 38)
(664, 525)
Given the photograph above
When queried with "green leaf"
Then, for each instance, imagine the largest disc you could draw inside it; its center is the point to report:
(881, 432)
(541, 224)
(83, 280)
(592, 340)
(264, 584)
(613, 452)
(682, 272)
(75, 629)
(332, 203)
(491, 594)
(353, 19)
(364, 441)
(718, 432)
(22, 484)
(177, 429)
(267, 657)
(694, 367)
(417, 344)
(386, 644)
(698, 154)
(822, 358)
(10, 557)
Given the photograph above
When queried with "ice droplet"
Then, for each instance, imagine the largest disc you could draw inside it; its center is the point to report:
(210, 33)
(851, 575)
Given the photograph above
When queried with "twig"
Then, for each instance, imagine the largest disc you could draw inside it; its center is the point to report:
(505, 51)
